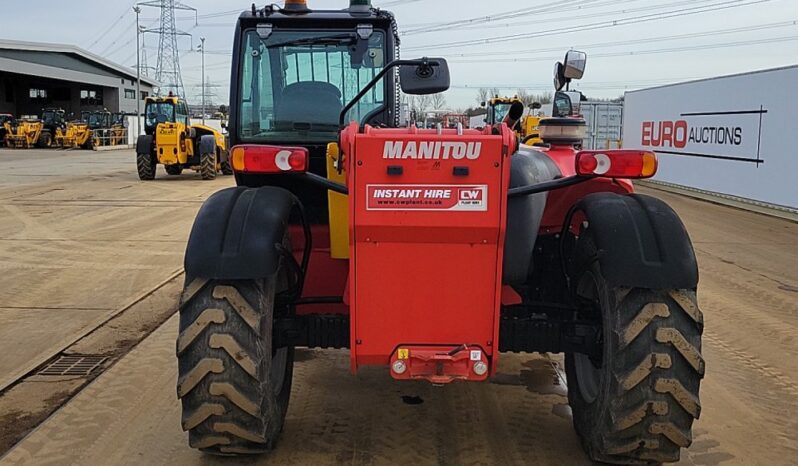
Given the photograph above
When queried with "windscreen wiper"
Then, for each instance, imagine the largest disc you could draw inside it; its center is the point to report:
(336, 39)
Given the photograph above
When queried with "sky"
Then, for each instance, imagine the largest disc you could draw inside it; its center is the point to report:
(510, 45)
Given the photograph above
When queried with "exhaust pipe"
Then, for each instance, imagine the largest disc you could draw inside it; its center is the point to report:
(514, 114)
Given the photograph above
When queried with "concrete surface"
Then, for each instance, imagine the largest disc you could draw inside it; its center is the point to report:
(130, 414)
(80, 238)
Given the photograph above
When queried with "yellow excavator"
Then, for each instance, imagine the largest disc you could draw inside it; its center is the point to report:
(171, 140)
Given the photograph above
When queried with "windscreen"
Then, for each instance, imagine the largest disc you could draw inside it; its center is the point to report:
(166, 110)
(295, 83)
(95, 120)
(499, 112)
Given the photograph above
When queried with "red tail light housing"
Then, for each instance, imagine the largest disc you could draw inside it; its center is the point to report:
(269, 159)
(616, 163)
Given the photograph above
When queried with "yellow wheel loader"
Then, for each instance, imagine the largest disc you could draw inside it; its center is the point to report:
(171, 140)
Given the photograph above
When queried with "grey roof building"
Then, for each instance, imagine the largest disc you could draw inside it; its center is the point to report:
(37, 75)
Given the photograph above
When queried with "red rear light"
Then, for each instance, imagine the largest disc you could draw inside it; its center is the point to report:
(269, 159)
(616, 163)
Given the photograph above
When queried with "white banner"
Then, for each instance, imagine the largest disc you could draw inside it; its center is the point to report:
(732, 135)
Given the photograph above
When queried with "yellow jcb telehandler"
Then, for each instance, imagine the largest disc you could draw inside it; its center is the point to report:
(25, 133)
(172, 141)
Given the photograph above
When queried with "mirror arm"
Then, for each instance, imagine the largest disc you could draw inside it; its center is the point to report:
(374, 81)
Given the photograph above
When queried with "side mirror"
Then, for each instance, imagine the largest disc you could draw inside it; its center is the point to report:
(536, 105)
(574, 67)
(430, 77)
(483, 103)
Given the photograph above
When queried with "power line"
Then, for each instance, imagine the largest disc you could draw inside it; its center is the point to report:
(495, 17)
(594, 45)
(112, 26)
(591, 15)
(598, 25)
(644, 52)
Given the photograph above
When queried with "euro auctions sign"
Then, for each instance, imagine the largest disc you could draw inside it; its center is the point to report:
(732, 135)
(728, 134)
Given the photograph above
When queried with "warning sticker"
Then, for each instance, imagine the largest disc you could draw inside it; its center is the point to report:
(476, 355)
(427, 197)
(403, 353)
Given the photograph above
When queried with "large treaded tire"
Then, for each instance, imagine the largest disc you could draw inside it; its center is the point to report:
(638, 405)
(208, 158)
(208, 166)
(45, 140)
(234, 389)
(145, 166)
(227, 168)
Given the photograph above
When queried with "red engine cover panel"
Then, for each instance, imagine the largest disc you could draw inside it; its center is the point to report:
(427, 214)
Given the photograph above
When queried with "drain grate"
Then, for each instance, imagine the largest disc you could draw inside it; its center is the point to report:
(72, 365)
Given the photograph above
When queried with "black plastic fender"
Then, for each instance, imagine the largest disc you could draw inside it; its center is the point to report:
(235, 232)
(524, 213)
(641, 241)
(207, 144)
(144, 144)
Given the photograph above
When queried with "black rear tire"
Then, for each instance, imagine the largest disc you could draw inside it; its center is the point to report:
(45, 140)
(636, 402)
(227, 168)
(208, 166)
(145, 166)
(173, 170)
(233, 386)
(89, 144)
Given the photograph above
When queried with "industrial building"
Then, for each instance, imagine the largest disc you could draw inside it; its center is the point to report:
(37, 75)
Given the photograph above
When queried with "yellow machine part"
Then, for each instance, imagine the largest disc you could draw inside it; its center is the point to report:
(170, 149)
(338, 205)
(26, 136)
(529, 127)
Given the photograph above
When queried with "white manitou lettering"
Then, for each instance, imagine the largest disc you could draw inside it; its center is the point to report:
(432, 150)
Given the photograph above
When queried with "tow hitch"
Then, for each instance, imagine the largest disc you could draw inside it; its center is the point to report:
(439, 364)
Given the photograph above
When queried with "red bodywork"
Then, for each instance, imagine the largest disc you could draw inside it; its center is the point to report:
(427, 226)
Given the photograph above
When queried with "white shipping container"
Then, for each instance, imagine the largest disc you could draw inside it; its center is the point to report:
(732, 135)
(604, 124)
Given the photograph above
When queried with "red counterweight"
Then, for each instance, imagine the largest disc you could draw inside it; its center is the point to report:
(427, 220)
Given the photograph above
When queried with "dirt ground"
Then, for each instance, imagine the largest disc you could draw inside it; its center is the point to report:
(81, 237)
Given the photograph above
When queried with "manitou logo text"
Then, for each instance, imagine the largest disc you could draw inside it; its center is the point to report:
(431, 150)
(678, 134)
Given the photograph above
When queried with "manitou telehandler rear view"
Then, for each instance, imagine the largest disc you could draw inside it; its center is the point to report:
(427, 251)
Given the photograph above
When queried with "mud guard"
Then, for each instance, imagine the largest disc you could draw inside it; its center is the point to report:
(144, 144)
(207, 144)
(524, 213)
(641, 241)
(235, 232)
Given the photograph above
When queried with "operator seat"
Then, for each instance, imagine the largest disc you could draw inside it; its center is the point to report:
(308, 102)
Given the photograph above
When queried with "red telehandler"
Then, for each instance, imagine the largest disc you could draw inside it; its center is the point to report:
(427, 251)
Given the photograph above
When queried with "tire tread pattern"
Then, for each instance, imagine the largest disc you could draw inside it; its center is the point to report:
(145, 166)
(229, 406)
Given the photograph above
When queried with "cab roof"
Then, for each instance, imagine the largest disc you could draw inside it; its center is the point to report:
(168, 99)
